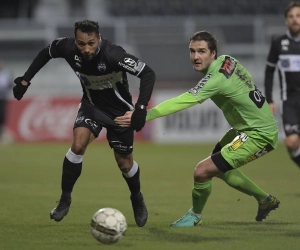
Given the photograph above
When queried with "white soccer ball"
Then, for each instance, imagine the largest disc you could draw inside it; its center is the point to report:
(108, 225)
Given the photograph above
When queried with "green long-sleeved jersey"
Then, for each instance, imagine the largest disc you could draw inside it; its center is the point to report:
(230, 86)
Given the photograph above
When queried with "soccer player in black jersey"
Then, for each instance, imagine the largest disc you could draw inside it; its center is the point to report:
(285, 55)
(101, 67)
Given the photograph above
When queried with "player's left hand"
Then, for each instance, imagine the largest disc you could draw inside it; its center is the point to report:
(125, 120)
(20, 87)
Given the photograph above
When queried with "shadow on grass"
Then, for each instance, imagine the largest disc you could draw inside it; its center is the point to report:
(180, 235)
(267, 226)
(296, 195)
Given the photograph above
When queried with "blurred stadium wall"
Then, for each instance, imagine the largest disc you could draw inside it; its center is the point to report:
(157, 31)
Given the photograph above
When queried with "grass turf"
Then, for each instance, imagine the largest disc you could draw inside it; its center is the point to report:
(30, 186)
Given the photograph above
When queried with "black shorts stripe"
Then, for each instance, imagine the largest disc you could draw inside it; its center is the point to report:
(220, 162)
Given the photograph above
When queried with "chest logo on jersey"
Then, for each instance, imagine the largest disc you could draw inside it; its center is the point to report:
(228, 67)
(285, 63)
(285, 44)
(78, 61)
(101, 66)
(203, 81)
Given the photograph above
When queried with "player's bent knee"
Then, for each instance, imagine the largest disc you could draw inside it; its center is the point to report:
(78, 149)
(220, 162)
(292, 143)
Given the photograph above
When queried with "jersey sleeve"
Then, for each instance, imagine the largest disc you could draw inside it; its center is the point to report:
(171, 106)
(121, 60)
(273, 55)
(53, 50)
(272, 60)
(207, 87)
(59, 47)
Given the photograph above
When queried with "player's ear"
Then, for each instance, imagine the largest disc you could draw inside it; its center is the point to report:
(213, 54)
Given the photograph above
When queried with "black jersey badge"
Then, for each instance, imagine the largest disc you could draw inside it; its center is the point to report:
(101, 66)
(228, 66)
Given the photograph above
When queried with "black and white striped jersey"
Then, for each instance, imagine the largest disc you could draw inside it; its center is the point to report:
(284, 55)
(104, 78)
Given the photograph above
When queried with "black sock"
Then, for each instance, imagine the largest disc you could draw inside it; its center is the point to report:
(296, 160)
(71, 172)
(134, 183)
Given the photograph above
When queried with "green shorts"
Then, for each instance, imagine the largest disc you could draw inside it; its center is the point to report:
(240, 148)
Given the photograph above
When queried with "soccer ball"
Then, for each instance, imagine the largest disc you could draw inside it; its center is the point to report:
(108, 225)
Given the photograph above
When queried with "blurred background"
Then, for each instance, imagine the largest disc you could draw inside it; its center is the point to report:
(156, 31)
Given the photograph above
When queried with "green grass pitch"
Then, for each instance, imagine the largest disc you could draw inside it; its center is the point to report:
(30, 186)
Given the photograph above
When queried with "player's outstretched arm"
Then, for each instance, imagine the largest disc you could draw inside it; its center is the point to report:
(165, 108)
(23, 82)
(168, 107)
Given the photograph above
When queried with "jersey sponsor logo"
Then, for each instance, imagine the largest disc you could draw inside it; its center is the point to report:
(285, 44)
(79, 119)
(77, 58)
(261, 152)
(91, 123)
(285, 63)
(257, 97)
(78, 61)
(244, 78)
(127, 67)
(101, 66)
(131, 65)
(228, 66)
(100, 82)
(289, 63)
(118, 145)
(238, 141)
(201, 83)
(130, 62)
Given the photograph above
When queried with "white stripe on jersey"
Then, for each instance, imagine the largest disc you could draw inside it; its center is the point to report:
(50, 50)
(271, 64)
(140, 70)
(283, 86)
(119, 96)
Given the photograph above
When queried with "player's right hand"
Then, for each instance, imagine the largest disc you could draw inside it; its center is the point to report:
(20, 88)
(125, 120)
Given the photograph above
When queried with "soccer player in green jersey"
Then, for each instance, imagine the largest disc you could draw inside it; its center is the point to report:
(253, 134)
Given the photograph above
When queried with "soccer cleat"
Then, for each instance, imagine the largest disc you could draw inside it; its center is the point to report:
(139, 209)
(265, 209)
(190, 219)
(62, 209)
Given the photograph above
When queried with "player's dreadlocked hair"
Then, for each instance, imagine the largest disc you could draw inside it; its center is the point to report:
(290, 6)
(87, 26)
(207, 37)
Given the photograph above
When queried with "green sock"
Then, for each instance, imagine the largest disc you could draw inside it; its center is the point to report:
(200, 193)
(239, 181)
